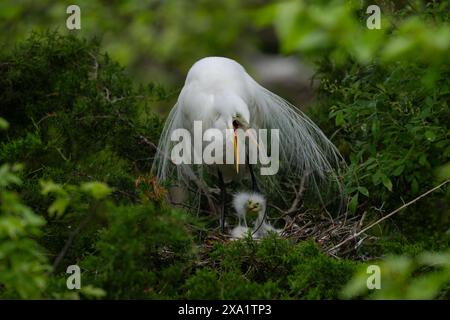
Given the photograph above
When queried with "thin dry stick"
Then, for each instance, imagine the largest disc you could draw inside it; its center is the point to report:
(298, 195)
(69, 241)
(388, 215)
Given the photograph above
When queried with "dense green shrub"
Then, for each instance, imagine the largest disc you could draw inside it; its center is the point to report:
(75, 117)
(23, 264)
(143, 252)
(425, 276)
(395, 135)
(383, 98)
(271, 269)
(72, 108)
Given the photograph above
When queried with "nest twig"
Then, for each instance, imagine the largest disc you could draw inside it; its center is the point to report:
(341, 236)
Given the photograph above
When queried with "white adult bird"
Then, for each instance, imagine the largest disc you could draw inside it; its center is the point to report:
(222, 95)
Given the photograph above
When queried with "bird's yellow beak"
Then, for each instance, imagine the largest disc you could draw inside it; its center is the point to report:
(236, 151)
(244, 126)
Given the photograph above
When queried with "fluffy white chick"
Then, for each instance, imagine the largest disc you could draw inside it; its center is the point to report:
(251, 206)
(239, 232)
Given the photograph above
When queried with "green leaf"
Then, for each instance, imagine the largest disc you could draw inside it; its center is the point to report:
(98, 190)
(387, 182)
(7, 177)
(430, 135)
(376, 128)
(397, 47)
(353, 203)
(435, 258)
(398, 171)
(414, 186)
(3, 124)
(340, 118)
(423, 160)
(363, 191)
(92, 292)
(51, 187)
(443, 172)
(58, 207)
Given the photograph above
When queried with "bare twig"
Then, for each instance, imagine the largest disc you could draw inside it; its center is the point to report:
(95, 65)
(298, 195)
(387, 216)
(69, 241)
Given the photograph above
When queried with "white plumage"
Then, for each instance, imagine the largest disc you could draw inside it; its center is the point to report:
(244, 204)
(218, 91)
(239, 232)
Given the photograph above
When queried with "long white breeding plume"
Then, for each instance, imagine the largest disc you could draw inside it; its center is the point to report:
(220, 93)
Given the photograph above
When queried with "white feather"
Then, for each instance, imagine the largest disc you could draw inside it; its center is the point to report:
(217, 87)
(240, 202)
(239, 232)
(260, 227)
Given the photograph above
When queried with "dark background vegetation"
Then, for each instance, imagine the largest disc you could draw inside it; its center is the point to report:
(81, 112)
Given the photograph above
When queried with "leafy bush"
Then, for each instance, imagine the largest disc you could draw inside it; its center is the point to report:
(271, 269)
(85, 135)
(23, 264)
(425, 276)
(143, 252)
(155, 40)
(74, 116)
(383, 101)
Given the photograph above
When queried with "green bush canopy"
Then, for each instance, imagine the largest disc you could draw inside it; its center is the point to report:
(77, 140)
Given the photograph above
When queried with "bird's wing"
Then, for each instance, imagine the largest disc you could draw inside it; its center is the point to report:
(162, 161)
(163, 167)
(304, 149)
(182, 115)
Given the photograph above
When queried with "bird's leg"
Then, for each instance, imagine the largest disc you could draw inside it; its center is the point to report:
(242, 221)
(223, 193)
(255, 186)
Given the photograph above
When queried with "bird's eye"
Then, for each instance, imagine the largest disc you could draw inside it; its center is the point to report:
(235, 124)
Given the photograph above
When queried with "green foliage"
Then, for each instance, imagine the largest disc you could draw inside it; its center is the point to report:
(85, 135)
(271, 269)
(337, 29)
(74, 118)
(83, 102)
(384, 101)
(143, 252)
(96, 190)
(393, 132)
(383, 97)
(3, 124)
(147, 37)
(23, 264)
(426, 276)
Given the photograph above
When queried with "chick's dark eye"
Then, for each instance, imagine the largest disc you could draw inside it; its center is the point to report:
(235, 124)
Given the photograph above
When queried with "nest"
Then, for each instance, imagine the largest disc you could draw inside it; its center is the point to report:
(339, 237)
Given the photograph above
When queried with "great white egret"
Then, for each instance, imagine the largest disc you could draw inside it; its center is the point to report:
(251, 206)
(220, 94)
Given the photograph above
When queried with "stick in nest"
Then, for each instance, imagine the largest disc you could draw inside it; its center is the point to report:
(353, 236)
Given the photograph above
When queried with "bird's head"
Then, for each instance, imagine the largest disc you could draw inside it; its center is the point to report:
(250, 205)
(240, 120)
(232, 110)
(253, 207)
